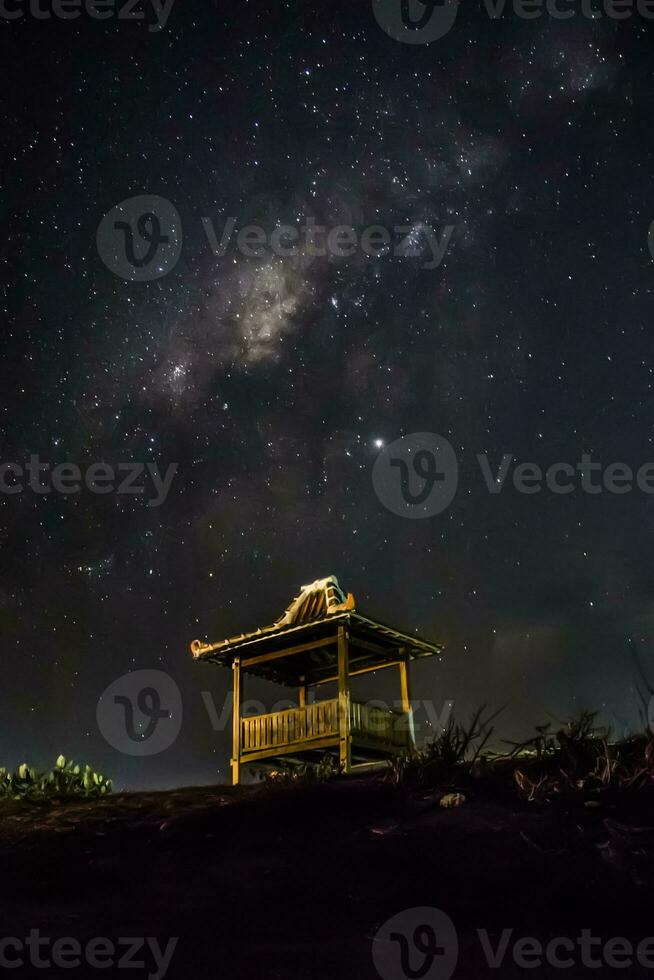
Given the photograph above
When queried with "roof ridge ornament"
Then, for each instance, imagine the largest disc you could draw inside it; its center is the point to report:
(315, 601)
(324, 597)
(316, 604)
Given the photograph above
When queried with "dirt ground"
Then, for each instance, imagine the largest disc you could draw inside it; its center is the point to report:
(298, 883)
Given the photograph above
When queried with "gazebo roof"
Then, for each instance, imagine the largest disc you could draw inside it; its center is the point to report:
(307, 632)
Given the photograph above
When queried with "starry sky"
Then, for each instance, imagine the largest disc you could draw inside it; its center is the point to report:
(273, 383)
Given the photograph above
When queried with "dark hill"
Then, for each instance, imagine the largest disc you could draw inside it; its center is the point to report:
(294, 883)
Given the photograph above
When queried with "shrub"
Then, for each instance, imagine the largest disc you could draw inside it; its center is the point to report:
(580, 759)
(65, 781)
(305, 774)
(445, 756)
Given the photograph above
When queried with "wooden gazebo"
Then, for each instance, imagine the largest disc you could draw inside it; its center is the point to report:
(321, 637)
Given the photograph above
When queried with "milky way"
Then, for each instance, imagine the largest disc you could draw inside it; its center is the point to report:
(274, 381)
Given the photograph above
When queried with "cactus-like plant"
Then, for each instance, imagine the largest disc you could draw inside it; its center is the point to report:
(65, 781)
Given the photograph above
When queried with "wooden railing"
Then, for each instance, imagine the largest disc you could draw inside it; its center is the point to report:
(378, 724)
(286, 727)
(295, 725)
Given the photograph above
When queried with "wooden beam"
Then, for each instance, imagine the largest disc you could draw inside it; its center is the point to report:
(302, 693)
(355, 673)
(344, 746)
(320, 742)
(236, 723)
(288, 651)
(333, 677)
(358, 641)
(370, 766)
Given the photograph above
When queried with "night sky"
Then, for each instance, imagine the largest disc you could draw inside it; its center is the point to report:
(273, 383)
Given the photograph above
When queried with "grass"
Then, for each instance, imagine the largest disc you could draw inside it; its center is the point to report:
(578, 761)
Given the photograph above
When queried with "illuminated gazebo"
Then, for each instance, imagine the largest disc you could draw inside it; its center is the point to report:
(320, 638)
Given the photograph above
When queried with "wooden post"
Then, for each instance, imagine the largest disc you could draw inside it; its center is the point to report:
(406, 700)
(302, 703)
(344, 746)
(236, 719)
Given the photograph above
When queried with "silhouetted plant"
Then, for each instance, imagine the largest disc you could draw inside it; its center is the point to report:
(580, 758)
(451, 752)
